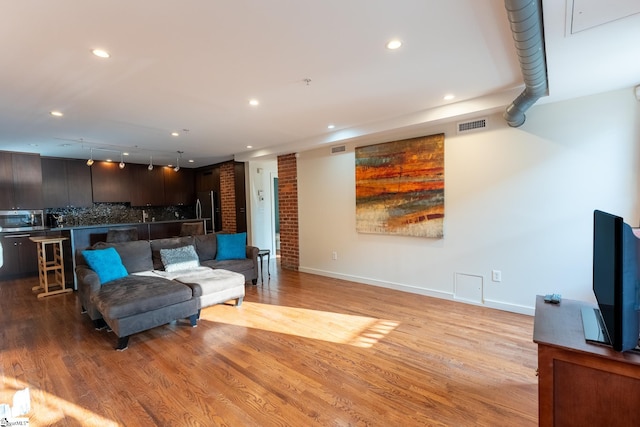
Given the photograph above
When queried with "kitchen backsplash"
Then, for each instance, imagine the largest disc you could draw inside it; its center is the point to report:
(118, 213)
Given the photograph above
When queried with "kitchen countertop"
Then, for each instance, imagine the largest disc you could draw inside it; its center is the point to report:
(78, 227)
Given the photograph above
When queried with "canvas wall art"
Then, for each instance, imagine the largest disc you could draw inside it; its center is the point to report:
(400, 187)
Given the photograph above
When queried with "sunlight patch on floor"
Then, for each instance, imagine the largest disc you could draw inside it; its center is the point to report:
(48, 409)
(358, 331)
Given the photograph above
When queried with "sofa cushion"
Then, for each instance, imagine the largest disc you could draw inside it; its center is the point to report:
(213, 281)
(206, 246)
(138, 294)
(232, 246)
(135, 255)
(106, 263)
(177, 259)
(168, 243)
(237, 265)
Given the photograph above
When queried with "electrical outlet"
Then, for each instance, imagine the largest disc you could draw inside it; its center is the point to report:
(334, 255)
(496, 275)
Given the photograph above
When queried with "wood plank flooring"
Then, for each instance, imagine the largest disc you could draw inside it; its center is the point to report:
(302, 350)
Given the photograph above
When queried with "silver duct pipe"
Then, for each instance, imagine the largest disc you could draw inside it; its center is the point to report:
(525, 17)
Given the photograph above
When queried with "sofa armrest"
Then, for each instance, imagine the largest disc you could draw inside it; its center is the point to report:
(88, 285)
(252, 253)
(88, 279)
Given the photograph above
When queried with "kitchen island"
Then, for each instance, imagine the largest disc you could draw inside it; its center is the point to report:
(83, 236)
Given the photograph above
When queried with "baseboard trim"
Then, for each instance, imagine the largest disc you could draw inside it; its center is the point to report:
(498, 305)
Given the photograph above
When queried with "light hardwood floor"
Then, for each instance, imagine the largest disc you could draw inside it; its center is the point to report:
(302, 350)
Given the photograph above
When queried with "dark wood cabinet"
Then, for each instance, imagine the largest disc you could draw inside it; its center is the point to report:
(147, 186)
(20, 181)
(19, 255)
(79, 183)
(110, 183)
(580, 383)
(179, 187)
(6, 181)
(66, 183)
(208, 179)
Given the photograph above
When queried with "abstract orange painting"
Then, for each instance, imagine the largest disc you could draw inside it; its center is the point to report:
(400, 187)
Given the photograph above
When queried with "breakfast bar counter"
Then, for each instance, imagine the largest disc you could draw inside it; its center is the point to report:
(84, 236)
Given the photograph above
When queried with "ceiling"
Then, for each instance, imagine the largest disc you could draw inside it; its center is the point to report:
(192, 66)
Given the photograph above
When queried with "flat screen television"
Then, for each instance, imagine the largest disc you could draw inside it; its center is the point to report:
(615, 282)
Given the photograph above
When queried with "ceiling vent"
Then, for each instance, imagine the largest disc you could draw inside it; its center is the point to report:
(338, 149)
(472, 125)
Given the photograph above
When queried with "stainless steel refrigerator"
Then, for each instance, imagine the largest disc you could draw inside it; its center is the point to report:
(207, 207)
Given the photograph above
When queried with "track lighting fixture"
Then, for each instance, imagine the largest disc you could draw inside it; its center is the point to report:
(121, 165)
(150, 167)
(90, 161)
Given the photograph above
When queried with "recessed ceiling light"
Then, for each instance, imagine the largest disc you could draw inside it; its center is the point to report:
(449, 97)
(56, 113)
(100, 53)
(394, 44)
(249, 146)
(175, 134)
(254, 102)
(191, 160)
(331, 126)
(125, 154)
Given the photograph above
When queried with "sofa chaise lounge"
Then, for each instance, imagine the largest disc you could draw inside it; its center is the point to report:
(156, 282)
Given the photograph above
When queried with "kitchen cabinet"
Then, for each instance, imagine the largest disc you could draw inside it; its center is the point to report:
(147, 187)
(110, 184)
(20, 181)
(208, 179)
(179, 187)
(19, 255)
(66, 183)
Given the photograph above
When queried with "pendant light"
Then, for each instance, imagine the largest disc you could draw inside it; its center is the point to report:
(150, 167)
(177, 168)
(121, 165)
(90, 161)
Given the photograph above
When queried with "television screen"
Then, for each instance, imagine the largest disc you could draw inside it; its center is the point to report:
(615, 279)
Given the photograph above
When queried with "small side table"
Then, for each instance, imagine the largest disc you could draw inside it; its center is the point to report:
(55, 265)
(261, 254)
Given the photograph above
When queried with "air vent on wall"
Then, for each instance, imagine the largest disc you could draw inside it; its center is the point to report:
(472, 125)
(338, 149)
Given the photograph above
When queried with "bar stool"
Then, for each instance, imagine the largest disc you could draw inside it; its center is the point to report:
(55, 265)
(261, 255)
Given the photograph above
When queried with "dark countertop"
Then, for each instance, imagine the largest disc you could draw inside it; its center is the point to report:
(78, 227)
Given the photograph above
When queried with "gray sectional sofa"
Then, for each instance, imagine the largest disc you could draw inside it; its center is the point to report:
(148, 292)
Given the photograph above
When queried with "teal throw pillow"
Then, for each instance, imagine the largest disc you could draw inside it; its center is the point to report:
(106, 263)
(231, 246)
(178, 259)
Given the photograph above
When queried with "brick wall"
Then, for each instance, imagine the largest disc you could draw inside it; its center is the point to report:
(228, 197)
(288, 210)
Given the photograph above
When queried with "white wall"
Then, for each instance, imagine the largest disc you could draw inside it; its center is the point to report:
(517, 200)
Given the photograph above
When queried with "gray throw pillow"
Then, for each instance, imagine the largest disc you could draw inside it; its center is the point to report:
(178, 259)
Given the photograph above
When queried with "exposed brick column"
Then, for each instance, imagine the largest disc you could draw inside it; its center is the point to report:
(228, 197)
(288, 210)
